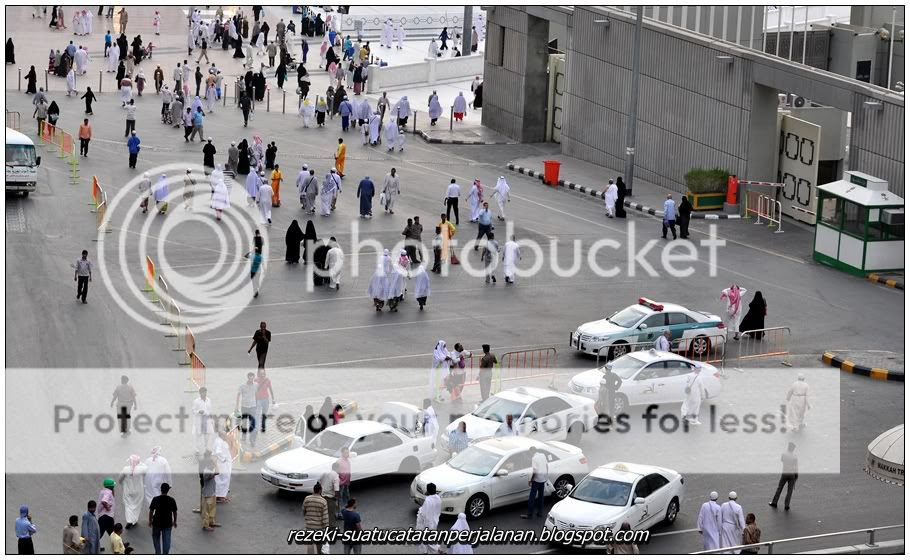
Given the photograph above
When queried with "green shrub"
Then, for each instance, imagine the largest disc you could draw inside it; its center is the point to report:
(703, 181)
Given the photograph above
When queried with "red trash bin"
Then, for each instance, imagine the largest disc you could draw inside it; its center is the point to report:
(551, 172)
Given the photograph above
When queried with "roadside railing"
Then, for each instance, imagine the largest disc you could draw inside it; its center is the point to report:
(768, 546)
(763, 343)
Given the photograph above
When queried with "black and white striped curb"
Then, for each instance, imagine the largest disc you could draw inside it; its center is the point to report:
(432, 140)
(600, 194)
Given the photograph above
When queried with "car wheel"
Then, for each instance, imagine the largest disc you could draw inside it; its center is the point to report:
(620, 404)
(617, 350)
(700, 347)
(562, 486)
(576, 430)
(410, 466)
(477, 506)
(672, 511)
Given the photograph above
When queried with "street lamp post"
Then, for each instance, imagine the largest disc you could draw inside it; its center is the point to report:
(633, 105)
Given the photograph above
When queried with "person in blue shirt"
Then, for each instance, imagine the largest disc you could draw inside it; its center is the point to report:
(24, 531)
(458, 439)
(365, 191)
(352, 522)
(90, 530)
(345, 110)
(255, 265)
(669, 216)
(484, 224)
(108, 41)
(133, 146)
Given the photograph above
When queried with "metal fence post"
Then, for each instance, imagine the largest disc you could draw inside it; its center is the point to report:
(415, 122)
(268, 100)
(871, 537)
(100, 75)
(283, 98)
(20, 79)
(46, 88)
(451, 116)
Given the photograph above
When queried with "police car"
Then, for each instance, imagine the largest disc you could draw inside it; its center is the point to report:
(691, 331)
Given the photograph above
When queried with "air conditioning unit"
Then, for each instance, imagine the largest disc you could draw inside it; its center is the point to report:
(782, 100)
(797, 100)
(893, 216)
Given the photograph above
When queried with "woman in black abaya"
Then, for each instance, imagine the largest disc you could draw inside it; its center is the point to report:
(309, 238)
(292, 240)
(319, 264)
(243, 161)
(620, 198)
(755, 317)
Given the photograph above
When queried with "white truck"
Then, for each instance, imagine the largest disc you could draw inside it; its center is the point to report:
(21, 163)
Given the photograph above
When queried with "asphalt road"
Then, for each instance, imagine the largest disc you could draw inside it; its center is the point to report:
(46, 327)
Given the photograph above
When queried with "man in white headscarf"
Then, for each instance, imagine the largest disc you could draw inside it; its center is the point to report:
(474, 200)
(797, 403)
(374, 129)
(391, 188)
(330, 187)
(158, 471)
(429, 421)
(264, 198)
(399, 35)
(334, 262)
(161, 192)
(307, 111)
(428, 518)
(71, 82)
(502, 196)
(203, 425)
(113, 57)
(87, 21)
(221, 453)
(733, 295)
(308, 189)
(709, 523)
(511, 254)
(434, 108)
(461, 524)
(132, 484)
(386, 34)
(732, 523)
(694, 390)
(433, 49)
(610, 197)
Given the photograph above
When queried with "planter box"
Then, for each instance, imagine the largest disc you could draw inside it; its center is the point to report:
(707, 201)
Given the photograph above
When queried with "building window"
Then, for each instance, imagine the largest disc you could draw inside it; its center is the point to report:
(832, 210)
(854, 219)
(499, 45)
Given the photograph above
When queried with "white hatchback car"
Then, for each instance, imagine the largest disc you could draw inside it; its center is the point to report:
(642, 495)
(392, 445)
(495, 472)
(542, 414)
(649, 377)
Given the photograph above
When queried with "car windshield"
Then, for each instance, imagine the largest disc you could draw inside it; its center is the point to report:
(329, 443)
(474, 460)
(625, 366)
(19, 154)
(496, 409)
(627, 317)
(602, 491)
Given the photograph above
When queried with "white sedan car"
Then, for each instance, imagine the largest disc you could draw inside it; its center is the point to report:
(649, 377)
(495, 472)
(542, 414)
(642, 495)
(394, 445)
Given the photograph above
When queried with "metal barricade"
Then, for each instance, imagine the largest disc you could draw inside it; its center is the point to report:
(763, 343)
(525, 364)
(150, 277)
(13, 120)
(768, 546)
(710, 349)
(101, 221)
(164, 299)
(197, 371)
(97, 194)
(763, 206)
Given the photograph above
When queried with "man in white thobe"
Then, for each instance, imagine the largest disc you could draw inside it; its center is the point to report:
(662, 344)
(221, 453)
(511, 254)
(709, 523)
(610, 196)
(374, 129)
(399, 35)
(430, 422)
(113, 58)
(502, 196)
(71, 82)
(460, 106)
(81, 59)
(797, 403)
(252, 187)
(734, 296)
(386, 34)
(474, 201)
(158, 471)
(203, 425)
(264, 199)
(330, 188)
(334, 261)
(691, 404)
(433, 49)
(309, 190)
(732, 523)
(132, 489)
(428, 518)
(391, 188)
(87, 21)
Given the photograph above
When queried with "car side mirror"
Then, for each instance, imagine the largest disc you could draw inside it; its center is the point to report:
(638, 501)
(352, 454)
(642, 326)
(38, 160)
(569, 488)
(502, 472)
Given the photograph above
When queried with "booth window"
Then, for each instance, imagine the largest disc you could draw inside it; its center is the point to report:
(854, 219)
(880, 231)
(832, 210)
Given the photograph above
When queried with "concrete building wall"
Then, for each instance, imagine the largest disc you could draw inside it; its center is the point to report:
(877, 142)
(738, 24)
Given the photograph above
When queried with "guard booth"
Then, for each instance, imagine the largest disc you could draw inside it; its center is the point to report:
(860, 225)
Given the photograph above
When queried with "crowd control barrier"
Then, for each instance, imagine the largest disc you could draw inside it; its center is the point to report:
(763, 206)
(763, 343)
(512, 366)
(13, 120)
(150, 278)
(50, 135)
(702, 348)
(97, 194)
